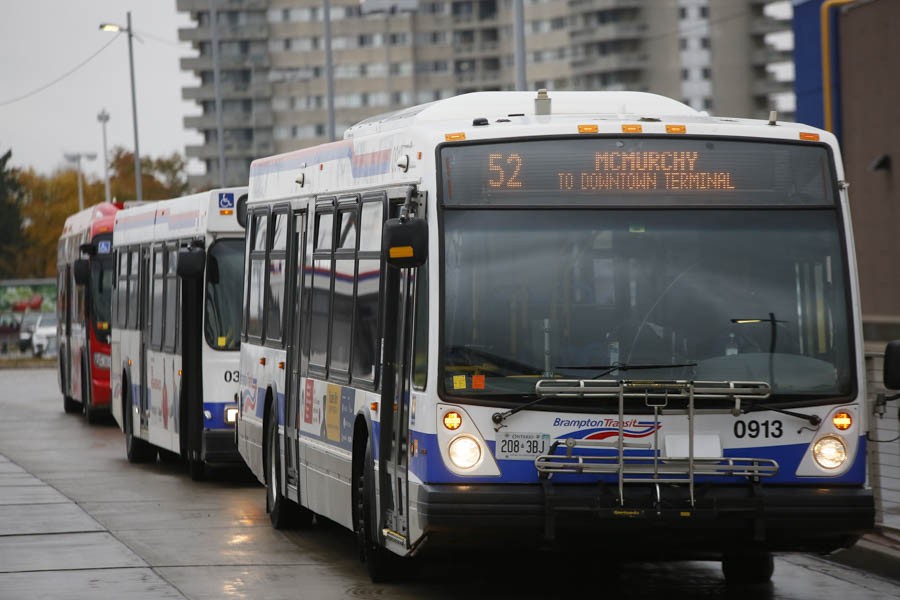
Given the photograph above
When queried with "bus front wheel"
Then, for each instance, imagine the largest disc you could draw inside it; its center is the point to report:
(136, 449)
(283, 513)
(380, 562)
(748, 568)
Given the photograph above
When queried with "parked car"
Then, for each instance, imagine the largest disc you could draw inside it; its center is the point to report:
(43, 341)
(26, 329)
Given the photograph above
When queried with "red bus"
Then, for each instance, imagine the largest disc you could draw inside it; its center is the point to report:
(84, 286)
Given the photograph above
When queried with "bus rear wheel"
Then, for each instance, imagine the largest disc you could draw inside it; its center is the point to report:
(748, 568)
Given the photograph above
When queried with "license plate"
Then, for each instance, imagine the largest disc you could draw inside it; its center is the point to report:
(517, 445)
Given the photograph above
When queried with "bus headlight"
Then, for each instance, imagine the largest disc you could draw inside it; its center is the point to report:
(102, 361)
(464, 451)
(231, 414)
(830, 452)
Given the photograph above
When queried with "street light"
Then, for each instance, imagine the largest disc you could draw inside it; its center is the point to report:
(103, 117)
(76, 157)
(137, 153)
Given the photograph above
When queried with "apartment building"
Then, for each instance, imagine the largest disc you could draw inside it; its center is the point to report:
(273, 88)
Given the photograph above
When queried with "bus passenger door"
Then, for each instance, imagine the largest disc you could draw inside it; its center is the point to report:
(294, 387)
(144, 328)
(396, 385)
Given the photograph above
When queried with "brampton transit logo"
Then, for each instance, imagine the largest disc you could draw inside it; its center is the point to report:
(601, 429)
(226, 199)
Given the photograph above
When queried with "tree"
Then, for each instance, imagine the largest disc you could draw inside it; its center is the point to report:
(161, 178)
(11, 236)
(46, 202)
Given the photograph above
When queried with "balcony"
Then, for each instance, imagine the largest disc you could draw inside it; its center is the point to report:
(227, 33)
(202, 6)
(609, 32)
(609, 63)
(230, 120)
(205, 63)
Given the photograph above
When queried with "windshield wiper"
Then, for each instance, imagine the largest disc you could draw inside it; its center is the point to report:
(499, 417)
(607, 369)
(814, 420)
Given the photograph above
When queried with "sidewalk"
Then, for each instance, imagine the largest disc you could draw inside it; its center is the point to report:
(51, 548)
(877, 553)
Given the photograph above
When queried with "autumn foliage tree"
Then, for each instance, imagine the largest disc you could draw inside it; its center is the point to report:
(48, 200)
(11, 194)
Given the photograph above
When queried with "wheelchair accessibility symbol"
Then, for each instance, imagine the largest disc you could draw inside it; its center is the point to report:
(226, 200)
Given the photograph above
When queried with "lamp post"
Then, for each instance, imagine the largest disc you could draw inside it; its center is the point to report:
(103, 117)
(76, 157)
(137, 152)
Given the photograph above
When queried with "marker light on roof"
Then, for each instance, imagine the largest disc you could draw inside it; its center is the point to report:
(809, 137)
(455, 137)
(676, 129)
(588, 129)
(632, 128)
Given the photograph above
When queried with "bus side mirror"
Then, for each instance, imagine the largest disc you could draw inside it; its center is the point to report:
(88, 249)
(82, 271)
(892, 365)
(404, 242)
(190, 262)
(240, 211)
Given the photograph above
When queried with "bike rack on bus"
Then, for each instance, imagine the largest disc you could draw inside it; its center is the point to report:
(654, 468)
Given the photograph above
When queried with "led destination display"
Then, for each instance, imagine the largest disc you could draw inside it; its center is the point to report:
(636, 171)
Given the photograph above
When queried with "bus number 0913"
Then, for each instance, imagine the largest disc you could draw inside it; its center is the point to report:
(754, 429)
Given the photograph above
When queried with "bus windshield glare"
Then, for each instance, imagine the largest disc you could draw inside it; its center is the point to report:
(737, 295)
(224, 284)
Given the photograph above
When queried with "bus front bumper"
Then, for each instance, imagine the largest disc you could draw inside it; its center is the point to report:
(219, 447)
(723, 517)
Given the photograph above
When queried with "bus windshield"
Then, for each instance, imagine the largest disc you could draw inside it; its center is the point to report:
(101, 295)
(224, 284)
(736, 295)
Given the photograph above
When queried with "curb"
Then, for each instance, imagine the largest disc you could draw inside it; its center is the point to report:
(877, 553)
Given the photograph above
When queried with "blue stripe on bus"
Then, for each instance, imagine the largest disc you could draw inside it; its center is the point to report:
(428, 466)
(217, 410)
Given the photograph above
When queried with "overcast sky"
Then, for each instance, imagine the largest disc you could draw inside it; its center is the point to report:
(41, 40)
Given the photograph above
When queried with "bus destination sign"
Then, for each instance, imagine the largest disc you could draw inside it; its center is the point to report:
(668, 171)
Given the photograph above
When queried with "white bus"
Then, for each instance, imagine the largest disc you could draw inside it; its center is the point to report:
(600, 316)
(176, 326)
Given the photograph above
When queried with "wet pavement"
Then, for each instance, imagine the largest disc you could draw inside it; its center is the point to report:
(78, 521)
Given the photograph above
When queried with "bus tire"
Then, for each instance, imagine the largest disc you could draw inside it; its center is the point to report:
(381, 563)
(196, 467)
(748, 568)
(70, 406)
(283, 513)
(87, 404)
(136, 449)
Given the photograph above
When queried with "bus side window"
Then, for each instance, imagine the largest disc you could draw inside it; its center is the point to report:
(344, 287)
(320, 300)
(368, 284)
(420, 343)
(156, 299)
(257, 275)
(276, 263)
(171, 302)
(132, 294)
